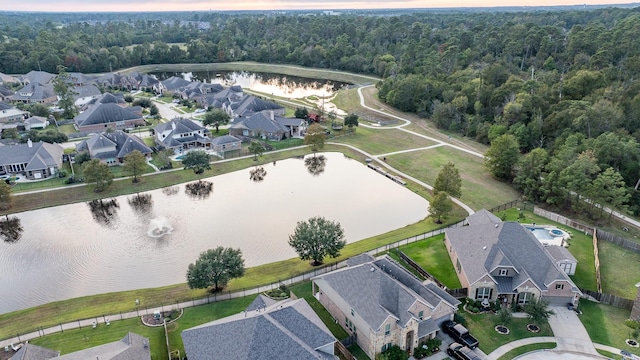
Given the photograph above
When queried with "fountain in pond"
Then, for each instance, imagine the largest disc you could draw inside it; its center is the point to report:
(159, 227)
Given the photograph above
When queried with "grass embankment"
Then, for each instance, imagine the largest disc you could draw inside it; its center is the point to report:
(292, 70)
(525, 349)
(377, 142)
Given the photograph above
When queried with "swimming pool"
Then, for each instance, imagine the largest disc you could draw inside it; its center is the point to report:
(548, 235)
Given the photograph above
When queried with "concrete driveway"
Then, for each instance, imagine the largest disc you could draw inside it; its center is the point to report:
(569, 332)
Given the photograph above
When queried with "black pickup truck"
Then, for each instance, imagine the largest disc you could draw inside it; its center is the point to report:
(460, 334)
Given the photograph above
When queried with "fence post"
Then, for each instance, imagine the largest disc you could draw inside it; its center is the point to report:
(61, 329)
(79, 326)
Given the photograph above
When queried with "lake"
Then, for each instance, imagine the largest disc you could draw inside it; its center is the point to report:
(148, 240)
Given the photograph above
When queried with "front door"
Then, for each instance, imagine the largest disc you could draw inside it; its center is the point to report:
(409, 344)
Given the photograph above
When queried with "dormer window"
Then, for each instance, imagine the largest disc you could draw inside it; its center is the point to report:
(420, 315)
(504, 272)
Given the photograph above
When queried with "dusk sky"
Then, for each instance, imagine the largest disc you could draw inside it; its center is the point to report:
(172, 5)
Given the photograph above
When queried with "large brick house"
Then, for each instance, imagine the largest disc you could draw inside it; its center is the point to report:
(504, 261)
(381, 304)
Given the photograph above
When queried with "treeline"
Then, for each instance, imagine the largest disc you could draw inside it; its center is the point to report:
(547, 79)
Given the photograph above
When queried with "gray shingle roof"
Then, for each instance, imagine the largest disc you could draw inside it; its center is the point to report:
(34, 92)
(41, 77)
(124, 144)
(105, 113)
(260, 302)
(39, 156)
(482, 246)
(34, 352)
(86, 91)
(226, 139)
(559, 253)
(131, 347)
(290, 330)
(251, 104)
(483, 217)
(380, 289)
(174, 83)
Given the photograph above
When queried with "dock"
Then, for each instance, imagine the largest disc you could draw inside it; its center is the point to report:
(395, 178)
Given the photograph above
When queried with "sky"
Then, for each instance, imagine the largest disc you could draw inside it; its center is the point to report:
(220, 5)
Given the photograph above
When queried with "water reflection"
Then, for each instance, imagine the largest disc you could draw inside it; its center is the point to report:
(141, 203)
(10, 229)
(258, 174)
(315, 164)
(200, 189)
(104, 212)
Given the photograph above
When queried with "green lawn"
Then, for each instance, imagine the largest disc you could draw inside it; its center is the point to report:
(74, 340)
(619, 270)
(482, 327)
(347, 100)
(605, 325)
(431, 255)
(377, 142)
(479, 188)
(303, 290)
(525, 349)
(67, 129)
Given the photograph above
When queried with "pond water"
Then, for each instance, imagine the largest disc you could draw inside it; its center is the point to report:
(266, 83)
(148, 240)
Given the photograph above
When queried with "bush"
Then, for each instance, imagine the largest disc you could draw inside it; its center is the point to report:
(459, 319)
(62, 174)
(433, 344)
(420, 352)
(632, 323)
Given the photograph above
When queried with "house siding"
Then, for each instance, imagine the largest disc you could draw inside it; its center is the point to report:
(462, 276)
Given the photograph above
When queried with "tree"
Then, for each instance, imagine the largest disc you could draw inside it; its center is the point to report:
(10, 229)
(505, 315)
(197, 160)
(65, 93)
(609, 190)
(315, 137)
(98, 173)
(215, 267)
(216, 117)
(449, 181)
(538, 311)
(351, 120)
(316, 238)
(530, 174)
(256, 148)
(440, 206)
(10, 133)
(502, 155)
(6, 198)
(134, 164)
(301, 113)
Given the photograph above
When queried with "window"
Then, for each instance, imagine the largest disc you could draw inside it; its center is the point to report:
(420, 315)
(566, 267)
(525, 298)
(387, 329)
(458, 265)
(559, 286)
(386, 346)
(484, 293)
(351, 312)
(504, 272)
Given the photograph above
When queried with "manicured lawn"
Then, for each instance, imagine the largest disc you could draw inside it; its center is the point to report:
(431, 255)
(347, 100)
(482, 327)
(619, 269)
(74, 340)
(479, 188)
(605, 325)
(377, 142)
(525, 349)
(67, 129)
(303, 290)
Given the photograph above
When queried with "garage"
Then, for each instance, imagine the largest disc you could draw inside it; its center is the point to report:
(558, 300)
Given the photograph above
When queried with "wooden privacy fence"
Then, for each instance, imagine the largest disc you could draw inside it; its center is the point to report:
(342, 350)
(563, 220)
(609, 299)
(620, 241)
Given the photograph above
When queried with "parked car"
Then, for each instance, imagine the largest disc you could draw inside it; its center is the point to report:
(199, 111)
(460, 334)
(461, 352)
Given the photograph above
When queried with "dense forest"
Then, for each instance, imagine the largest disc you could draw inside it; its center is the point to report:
(556, 93)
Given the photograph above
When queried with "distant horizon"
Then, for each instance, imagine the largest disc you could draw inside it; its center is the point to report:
(116, 6)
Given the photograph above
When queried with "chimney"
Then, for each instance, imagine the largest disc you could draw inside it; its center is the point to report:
(272, 115)
(173, 125)
(29, 143)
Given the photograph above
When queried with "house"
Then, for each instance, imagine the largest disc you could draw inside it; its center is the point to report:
(504, 261)
(381, 304)
(131, 347)
(34, 122)
(174, 85)
(37, 77)
(7, 79)
(83, 94)
(33, 93)
(267, 125)
(11, 117)
(103, 115)
(250, 104)
(106, 98)
(181, 135)
(33, 160)
(5, 93)
(147, 82)
(112, 147)
(77, 79)
(284, 330)
(224, 144)
(117, 81)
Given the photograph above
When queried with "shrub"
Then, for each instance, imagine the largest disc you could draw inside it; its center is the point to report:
(434, 344)
(459, 319)
(420, 352)
(634, 324)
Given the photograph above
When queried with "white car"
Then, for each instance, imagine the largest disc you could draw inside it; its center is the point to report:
(200, 111)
